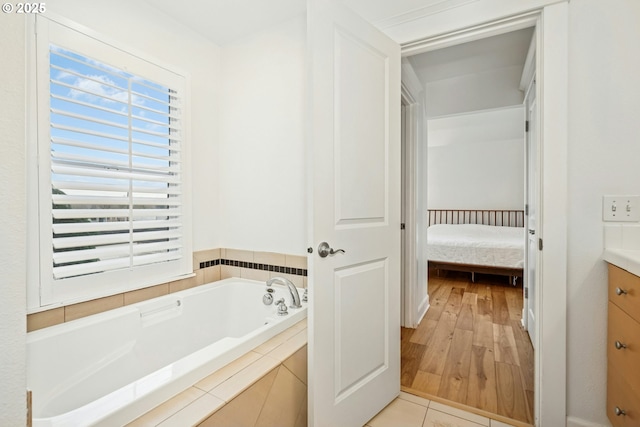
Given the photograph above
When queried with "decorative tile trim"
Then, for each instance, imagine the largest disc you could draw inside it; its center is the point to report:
(212, 263)
(255, 266)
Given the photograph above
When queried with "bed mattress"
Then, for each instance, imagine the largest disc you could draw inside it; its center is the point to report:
(475, 244)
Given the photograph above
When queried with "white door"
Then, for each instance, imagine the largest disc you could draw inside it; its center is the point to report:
(354, 134)
(532, 205)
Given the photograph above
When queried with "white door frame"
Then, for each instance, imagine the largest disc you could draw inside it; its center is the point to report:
(414, 302)
(530, 135)
(552, 94)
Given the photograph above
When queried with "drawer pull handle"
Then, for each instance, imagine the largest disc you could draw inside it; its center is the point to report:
(619, 411)
(620, 291)
(620, 346)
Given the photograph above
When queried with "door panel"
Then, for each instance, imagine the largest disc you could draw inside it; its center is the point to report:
(361, 336)
(361, 135)
(354, 136)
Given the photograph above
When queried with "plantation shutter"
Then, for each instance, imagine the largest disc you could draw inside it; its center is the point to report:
(116, 169)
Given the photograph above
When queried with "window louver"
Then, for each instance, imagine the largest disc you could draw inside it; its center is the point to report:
(115, 168)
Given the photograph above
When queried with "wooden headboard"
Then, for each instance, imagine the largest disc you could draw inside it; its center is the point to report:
(507, 218)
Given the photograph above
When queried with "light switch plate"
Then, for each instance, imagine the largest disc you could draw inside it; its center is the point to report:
(621, 208)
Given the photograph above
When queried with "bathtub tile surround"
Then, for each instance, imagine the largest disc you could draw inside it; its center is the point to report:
(297, 364)
(209, 265)
(146, 293)
(232, 387)
(191, 414)
(266, 386)
(245, 409)
(260, 266)
(221, 375)
(204, 256)
(76, 311)
(45, 319)
(191, 282)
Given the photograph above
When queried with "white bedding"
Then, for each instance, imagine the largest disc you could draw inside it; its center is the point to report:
(475, 244)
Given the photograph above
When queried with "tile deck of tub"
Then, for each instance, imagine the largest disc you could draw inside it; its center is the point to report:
(211, 393)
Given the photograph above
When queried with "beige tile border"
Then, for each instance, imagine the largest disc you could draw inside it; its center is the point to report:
(203, 256)
(146, 293)
(270, 258)
(44, 319)
(58, 315)
(83, 309)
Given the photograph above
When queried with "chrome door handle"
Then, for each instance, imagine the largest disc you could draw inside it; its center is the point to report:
(325, 250)
(620, 291)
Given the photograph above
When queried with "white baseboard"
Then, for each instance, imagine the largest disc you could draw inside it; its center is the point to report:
(577, 422)
(422, 309)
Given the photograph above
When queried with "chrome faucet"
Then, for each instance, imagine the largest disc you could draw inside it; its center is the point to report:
(295, 297)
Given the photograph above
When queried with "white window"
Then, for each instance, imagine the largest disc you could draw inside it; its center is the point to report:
(112, 169)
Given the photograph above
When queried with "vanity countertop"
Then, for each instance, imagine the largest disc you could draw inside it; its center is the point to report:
(627, 259)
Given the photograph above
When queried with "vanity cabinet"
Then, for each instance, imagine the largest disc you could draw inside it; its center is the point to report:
(623, 348)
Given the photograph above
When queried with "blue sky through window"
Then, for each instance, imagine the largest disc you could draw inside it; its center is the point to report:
(104, 117)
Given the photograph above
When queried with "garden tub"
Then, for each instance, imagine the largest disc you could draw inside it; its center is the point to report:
(109, 368)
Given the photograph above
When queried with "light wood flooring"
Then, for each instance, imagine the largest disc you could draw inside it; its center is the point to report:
(470, 348)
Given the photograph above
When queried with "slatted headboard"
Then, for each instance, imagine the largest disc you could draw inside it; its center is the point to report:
(503, 217)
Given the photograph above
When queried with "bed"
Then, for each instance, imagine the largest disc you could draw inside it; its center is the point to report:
(477, 241)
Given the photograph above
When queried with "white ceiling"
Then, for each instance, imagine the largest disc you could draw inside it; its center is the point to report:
(223, 21)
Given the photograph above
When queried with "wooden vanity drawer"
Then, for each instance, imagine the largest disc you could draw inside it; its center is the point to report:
(620, 395)
(625, 331)
(624, 291)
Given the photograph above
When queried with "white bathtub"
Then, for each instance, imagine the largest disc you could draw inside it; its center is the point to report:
(110, 368)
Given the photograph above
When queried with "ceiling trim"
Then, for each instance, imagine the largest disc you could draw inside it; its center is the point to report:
(421, 12)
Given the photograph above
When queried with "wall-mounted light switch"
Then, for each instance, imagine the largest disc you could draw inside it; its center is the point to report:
(621, 208)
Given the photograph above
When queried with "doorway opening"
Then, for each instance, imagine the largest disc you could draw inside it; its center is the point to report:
(472, 346)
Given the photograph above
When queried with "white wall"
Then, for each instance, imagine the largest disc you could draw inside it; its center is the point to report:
(145, 30)
(604, 152)
(476, 160)
(13, 229)
(262, 161)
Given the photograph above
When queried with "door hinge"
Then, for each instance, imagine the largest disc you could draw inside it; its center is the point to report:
(539, 244)
(526, 209)
(526, 125)
(402, 226)
(526, 292)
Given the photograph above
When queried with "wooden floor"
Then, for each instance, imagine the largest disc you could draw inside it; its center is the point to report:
(470, 347)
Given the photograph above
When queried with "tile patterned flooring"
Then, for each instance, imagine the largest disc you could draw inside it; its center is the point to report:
(408, 410)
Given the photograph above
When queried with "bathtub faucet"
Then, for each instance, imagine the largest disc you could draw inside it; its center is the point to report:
(295, 297)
